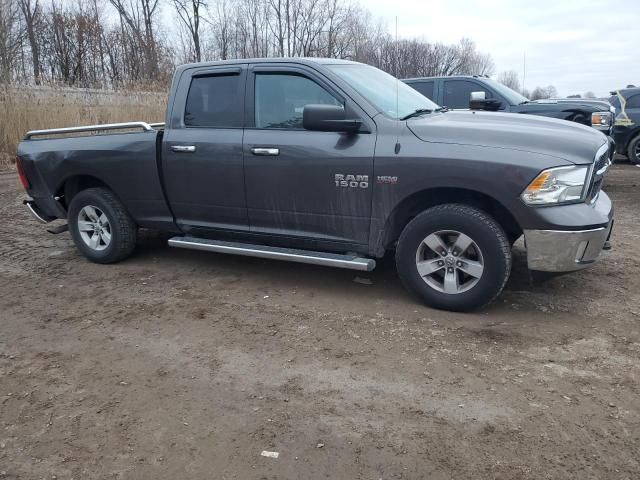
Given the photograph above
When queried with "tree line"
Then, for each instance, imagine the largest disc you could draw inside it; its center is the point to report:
(115, 43)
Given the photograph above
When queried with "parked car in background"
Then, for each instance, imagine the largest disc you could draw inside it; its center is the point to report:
(482, 93)
(626, 130)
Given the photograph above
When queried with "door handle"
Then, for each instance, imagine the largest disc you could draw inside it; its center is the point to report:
(265, 151)
(183, 148)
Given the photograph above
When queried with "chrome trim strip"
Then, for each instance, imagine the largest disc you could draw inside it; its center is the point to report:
(351, 262)
(91, 128)
(183, 148)
(34, 213)
(265, 151)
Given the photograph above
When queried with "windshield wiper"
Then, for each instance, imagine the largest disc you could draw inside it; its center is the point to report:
(417, 113)
(526, 101)
(442, 109)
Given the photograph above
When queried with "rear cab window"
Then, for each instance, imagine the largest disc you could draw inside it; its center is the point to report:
(425, 88)
(214, 101)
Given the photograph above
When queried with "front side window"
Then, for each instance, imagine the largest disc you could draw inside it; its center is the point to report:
(457, 93)
(633, 102)
(280, 99)
(215, 101)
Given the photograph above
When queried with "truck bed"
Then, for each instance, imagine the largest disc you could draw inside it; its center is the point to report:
(123, 157)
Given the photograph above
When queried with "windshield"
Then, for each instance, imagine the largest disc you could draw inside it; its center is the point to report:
(379, 88)
(513, 97)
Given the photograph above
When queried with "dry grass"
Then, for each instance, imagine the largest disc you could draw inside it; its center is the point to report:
(22, 110)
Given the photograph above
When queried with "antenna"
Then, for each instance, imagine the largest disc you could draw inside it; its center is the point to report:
(397, 147)
(524, 69)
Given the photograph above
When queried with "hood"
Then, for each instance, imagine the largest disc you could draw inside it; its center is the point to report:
(569, 141)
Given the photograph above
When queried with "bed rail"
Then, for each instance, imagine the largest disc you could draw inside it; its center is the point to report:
(147, 127)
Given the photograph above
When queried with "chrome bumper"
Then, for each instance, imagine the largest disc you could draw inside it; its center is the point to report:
(564, 251)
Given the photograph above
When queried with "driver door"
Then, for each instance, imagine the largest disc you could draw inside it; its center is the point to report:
(294, 177)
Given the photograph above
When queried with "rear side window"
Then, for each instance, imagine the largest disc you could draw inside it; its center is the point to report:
(215, 101)
(425, 88)
(457, 93)
(634, 102)
(280, 99)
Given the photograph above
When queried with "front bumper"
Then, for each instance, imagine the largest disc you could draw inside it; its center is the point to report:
(565, 251)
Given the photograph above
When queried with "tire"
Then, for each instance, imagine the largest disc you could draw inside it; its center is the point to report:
(633, 152)
(580, 118)
(100, 226)
(477, 273)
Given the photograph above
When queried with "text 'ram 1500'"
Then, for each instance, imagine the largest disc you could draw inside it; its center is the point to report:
(331, 163)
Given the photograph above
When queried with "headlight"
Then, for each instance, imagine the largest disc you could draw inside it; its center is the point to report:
(601, 120)
(557, 185)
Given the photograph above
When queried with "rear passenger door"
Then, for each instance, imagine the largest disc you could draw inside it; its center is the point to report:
(202, 150)
(291, 173)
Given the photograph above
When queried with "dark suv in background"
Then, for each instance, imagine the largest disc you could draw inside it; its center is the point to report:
(482, 93)
(626, 131)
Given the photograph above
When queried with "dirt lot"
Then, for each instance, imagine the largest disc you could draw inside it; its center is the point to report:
(186, 365)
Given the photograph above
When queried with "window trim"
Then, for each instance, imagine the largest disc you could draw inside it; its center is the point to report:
(207, 73)
(250, 99)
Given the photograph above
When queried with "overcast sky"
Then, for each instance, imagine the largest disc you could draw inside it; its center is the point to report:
(576, 45)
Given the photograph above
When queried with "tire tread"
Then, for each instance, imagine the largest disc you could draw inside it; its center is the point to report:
(127, 230)
(455, 209)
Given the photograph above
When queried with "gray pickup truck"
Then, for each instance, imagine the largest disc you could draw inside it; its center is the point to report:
(331, 163)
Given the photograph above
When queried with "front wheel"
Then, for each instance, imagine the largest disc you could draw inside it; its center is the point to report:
(634, 150)
(100, 226)
(455, 257)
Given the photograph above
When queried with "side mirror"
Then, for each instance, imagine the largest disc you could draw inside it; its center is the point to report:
(328, 118)
(479, 101)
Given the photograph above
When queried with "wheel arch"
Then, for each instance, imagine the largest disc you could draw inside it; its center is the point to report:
(633, 134)
(419, 201)
(74, 184)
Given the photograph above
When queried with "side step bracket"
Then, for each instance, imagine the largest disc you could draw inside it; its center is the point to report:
(352, 262)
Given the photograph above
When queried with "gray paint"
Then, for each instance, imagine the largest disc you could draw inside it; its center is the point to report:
(225, 191)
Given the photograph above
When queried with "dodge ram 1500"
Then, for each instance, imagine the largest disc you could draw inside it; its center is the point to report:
(333, 163)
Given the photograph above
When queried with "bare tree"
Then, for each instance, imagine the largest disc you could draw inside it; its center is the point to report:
(10, 39)
(190, 14)
(32, 16)
(589, 94)
(137, 22)
(510, 79)
(82, 42)
(539, 93)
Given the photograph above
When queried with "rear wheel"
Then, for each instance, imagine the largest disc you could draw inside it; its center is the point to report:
(100, 226)
(633, 152)
(455, 257)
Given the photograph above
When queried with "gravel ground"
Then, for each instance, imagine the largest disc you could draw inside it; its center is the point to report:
(187, 365)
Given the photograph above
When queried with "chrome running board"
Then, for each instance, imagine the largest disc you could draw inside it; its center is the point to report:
(352, 262)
